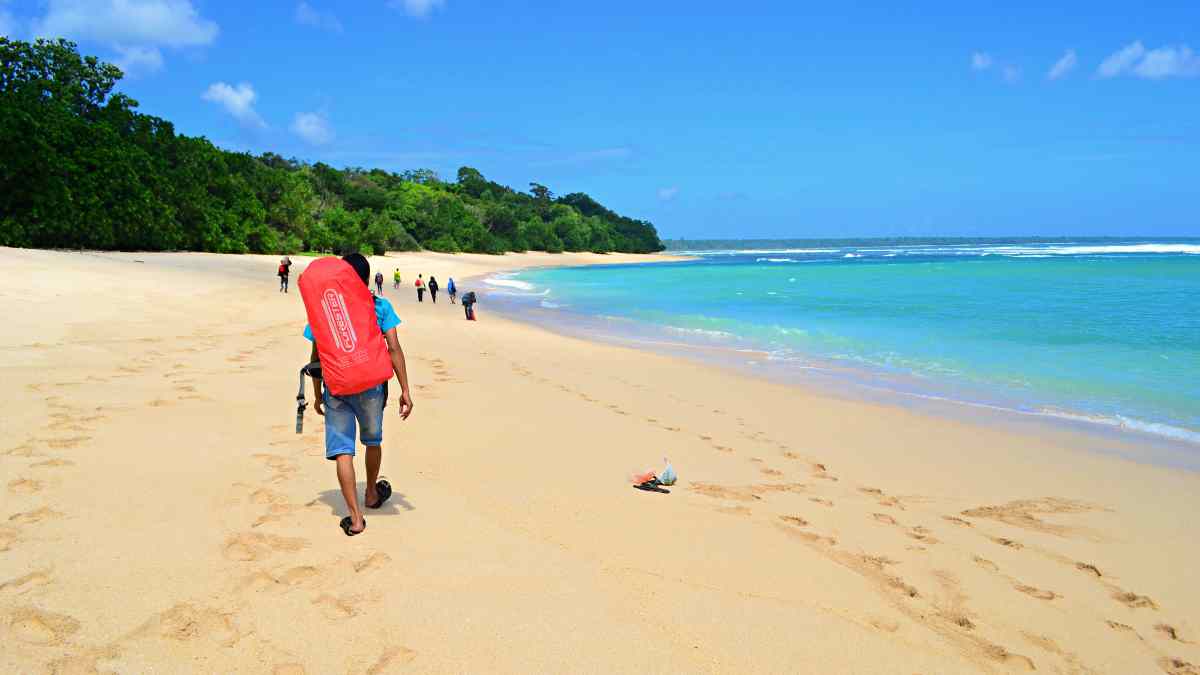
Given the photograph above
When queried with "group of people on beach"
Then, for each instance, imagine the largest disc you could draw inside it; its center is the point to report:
(433, 287)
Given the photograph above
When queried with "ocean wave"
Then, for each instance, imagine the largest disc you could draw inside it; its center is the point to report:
(762, 251)
(775, 260)
(1126, 423)
(509, 283)
(720, 334)
(852, 255)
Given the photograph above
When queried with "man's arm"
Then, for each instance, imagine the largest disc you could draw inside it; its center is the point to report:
(401, 370)
(318, 401)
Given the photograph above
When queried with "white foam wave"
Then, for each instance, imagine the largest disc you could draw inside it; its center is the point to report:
(761, 251)
(774, 260)
(509, 283)
(852, 255)
(719, 334)
(1126, 423)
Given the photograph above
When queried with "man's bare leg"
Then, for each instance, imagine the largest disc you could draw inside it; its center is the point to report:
(374, 459)
(345, 474)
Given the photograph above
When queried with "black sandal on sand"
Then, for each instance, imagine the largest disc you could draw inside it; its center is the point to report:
(384, 490)
(652, 485)
(347, 523)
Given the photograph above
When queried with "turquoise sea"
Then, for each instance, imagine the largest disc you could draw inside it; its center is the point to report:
(1100, 331)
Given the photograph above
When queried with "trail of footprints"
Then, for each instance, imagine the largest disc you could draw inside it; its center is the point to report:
(69, 428)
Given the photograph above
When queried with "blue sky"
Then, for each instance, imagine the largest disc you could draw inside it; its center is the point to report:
(709, 119)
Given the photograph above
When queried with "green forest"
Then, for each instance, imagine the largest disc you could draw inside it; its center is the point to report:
(81, 168)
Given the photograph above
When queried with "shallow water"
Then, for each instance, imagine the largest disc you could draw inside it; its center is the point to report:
(1104, 331)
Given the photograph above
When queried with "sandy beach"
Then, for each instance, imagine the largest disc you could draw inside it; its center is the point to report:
(160, 514)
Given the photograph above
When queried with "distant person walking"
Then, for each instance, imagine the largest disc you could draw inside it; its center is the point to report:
(420, 289)
(468, 305)
(285, 270)
(396, 279)
(451, 290)
(433, 289)
(379, 284)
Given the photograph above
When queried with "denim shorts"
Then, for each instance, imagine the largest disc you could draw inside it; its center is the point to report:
(341, 413)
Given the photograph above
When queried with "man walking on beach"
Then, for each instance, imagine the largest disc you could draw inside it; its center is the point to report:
(365, 408)
(285, 269)
(420, 288)
(379, 284)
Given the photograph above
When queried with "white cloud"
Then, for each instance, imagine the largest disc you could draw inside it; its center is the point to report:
(981, 61)
(417, 8)
(136, 61)
(1155, 64)
(668, 193)
(1063, 66)
(1121, 61)
(169, 23)
(1012, 74)
(309, 16)
(312, 127)
(1168, 61)
(237, 101)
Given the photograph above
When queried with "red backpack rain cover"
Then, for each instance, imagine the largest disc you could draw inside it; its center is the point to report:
(341, 313)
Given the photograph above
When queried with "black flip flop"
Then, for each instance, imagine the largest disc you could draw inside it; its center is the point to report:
(347, 523)
(384, 489)
(652, 485)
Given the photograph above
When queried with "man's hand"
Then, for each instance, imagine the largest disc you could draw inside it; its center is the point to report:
(406, 405)
(319, 406)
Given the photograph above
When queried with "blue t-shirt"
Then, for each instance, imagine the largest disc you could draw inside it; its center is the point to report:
(384, 315)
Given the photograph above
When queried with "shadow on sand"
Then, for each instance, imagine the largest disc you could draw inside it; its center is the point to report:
(337, 505)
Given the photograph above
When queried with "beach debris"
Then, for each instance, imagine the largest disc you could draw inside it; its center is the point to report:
(668, 476)
(648, 482)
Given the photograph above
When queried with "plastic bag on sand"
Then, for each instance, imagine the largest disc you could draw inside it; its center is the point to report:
(668, 474)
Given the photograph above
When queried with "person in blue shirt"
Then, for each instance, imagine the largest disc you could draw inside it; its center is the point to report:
(451, 289)
(365, 408)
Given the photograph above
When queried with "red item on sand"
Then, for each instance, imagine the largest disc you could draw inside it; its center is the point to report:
(341, 314)
(640, 478)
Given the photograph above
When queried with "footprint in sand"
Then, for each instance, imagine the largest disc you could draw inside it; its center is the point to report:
(298, 575)
(35, 516)
(1170, 633)
(1089, 568)
(66, 443)
(52, 463)
(27, 582)
(821, 501)
(1007, 542)
(8, 537)
(250, 546)
(957, 521)
(1174, 666)
(186, 623)
(372, 562)
(884, 518)
(986, 564)
(335, 608)
(40, 627)
(25, 486)
(767, 471)
(794, 520)
(1037, 592)
(1133, 600)
(392, 656)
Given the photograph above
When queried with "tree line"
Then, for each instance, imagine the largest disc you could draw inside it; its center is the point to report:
(81, 168)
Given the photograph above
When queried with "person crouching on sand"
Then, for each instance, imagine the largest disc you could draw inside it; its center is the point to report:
(365, 408)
